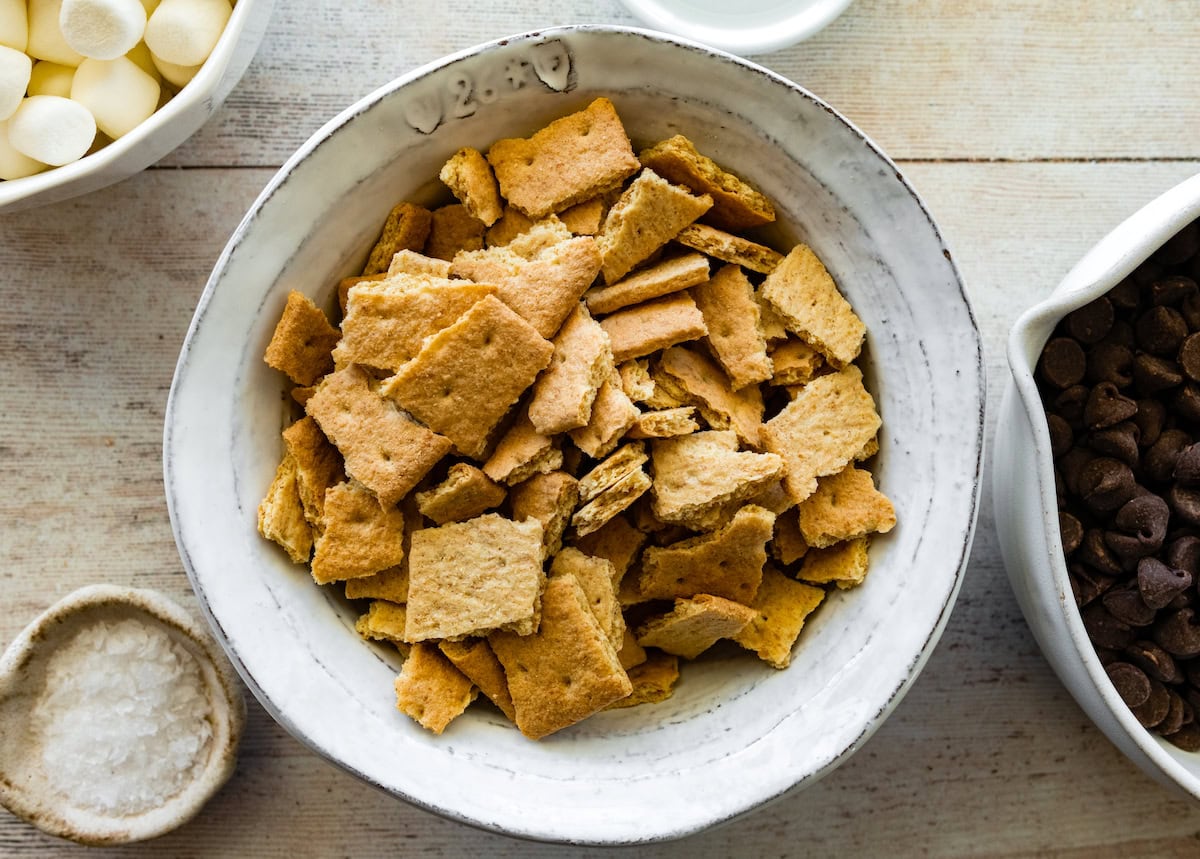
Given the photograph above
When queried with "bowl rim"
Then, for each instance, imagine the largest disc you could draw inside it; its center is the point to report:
(1108, 262)
(788, 28)
(317, 139)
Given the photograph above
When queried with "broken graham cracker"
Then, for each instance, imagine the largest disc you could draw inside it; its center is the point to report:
(804, 294)
(464, 494)
(441, 385)
(781, 608)
(384, 621)
(694, 625)
(726, 563)
(346, 283)
(584, 219)
(635, 379)
(694, 378)
(794, 362)
(648, 214)
(667, 423)
(773, 326)
(822, 429)
(653, 680)
(616, 466)
(789, 545)
(540, 236)
(729, 248)
(390, 584)
(596, 577)
(612, 415)
(662, 278)
(566, 670)
(572, 159)
(406, 229)
(411, 262)
(655, 325)
(383, 448)
(843, 564)
(469, 178)
(511, 224)
(726, 300)
(610, 502)
(281, 514)
(468, 578)
(550, 499)
(522, 452)
(565, 391)
(616, 541)
(844, 506)
(431, 690)
(318, 466)
(630, 653)
(452, 231)
(736, 204)
(475, 659)
(360, 536)
(302, 341)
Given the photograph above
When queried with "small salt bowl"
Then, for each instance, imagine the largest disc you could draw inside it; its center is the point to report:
(83, 757)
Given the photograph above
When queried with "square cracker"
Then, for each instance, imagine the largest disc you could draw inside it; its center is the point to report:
(475, 659)
(360, 536)
(734, 328)
(697, 475)
(318, 466)
(441, 385)
(564, 672)
(804, 294)
(736, 205)
(390, 584)
(612, 415)
(667, 423)
(695, 379)
(522, 452)
(468, 578)
(782, 606)
(431, 690)
(655, 325)
(406, 228)
(794, 362)
(464, 494)
(616, 541)
(729, 248)
(694, 625)
(726, 563)
(822, 429)
(384, 621)
(612, 469)
(302, 341)
(663, 278)
(649, 214)
(844, 506)
(610, 502)
(550, 499)
(452, 231)
(384, 449)
(563, 395)
(843, 564)
(596, 577)
(469, 177)
(281, 514)
(571, 160)
(653, 680)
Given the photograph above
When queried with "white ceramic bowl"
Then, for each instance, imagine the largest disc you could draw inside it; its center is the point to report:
(754, 27)
(168, 127)
(1026, 502)
(736, 733)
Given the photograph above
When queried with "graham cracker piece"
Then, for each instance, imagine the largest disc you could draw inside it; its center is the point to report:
(441, 385)
(694, 625)
(302, 341)
(795, 363)
(729, 248)
(453, 231)
(563, 395)
(663, 278)
(540, 236)
(653, 681)
(281, 514)
(572, 159)
(820, 431)
(692, 377)
(468, 578)
(384, 621)
(346, 283)
(726, 563)
(616, 466)
(649, 214)
(596, 577)
(385, 330)
(616, 541)
(789, 545)
(384, 449)
(584, 219)
(630, 653)
(430, 690)
(522, 452)
(782, 606)
(464, 494)
(411, 262)
(773, 326)
(736, 204)
(610, 502)
(390, 585)
(635, 379)
(843, 564)
(566, 670)
(474, 658)
(469, 178)
(511, 224)
(360, 536)
(869, 450)
(303, 393)
(812, 308)
(543, 289)
(406, 229)
(774, 498)
(318, 466)
(845, 506)
(727, 303)
(550, 499)
(612, 416)
(667, 423)
(696, 475)
(655, 325)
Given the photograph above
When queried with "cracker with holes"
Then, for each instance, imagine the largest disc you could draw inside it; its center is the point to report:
(359, 538)
(844, 506)
(464, 494)
(475, 659)
(654, 326)
(522, 452)
(655, 281)
(431, 690)
(781, 608)
(694, 625)
(694, 379)
(653, 680)
(318, 466)
(726, 300)
(302, 341)
(469, 177)
(649, 214)
(406, 229)
(596, 576)
(550, 499)
(564, 393)
(804, 294)
(842, 564)
(698, 475)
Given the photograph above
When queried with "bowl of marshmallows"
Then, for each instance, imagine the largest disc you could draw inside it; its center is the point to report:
(93, 91)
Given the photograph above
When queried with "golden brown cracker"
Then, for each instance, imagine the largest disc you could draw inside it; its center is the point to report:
(469, 178)
(302, 341)
(635, 379)
(384, 621)
(406, 228)
(612, 415)
(694, 625)
(663, 278)
(804, 294)
(730, 312)
(842, 564)
(541, 236)
(430, 690)
(408, 262)
(616, 541)
(359, 538)
(667, 423)
(694, 378)
(390, 584)
(345, 284)
(655, 325)
(550, 499)
(522, 452)
(844, 506)
(511, 224)
(782, 606)
(596, 577)
(474, 658)
(696, 475)
(610, 502)
(565, 391)
(281, 514)
(653, 680)
(464, 494)
(616, 466)
(729, 248)
(789, 545)
(794, 362)
(773, 327)
(452, 231)
(584, 219)
(318, 465)
(630, 653)
(649, 214)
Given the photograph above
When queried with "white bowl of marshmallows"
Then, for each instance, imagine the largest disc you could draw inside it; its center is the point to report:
(92, 91)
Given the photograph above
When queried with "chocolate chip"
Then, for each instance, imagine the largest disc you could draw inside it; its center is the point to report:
(1106, 483)
(1155, 661)
(1191, 311)
(1185, 503)
(1107, 631)
(1186, 403)
(1131, 683)
(1061, 436)
(1177, 634)
(1088, 584)
(1107, 406)
(1063, 362)
(1150, 417)
(1158, 584)
(1072, 532)
(1187, 466)
(1125, 604)
(1119, 442)
(1072, 464)
(1172, 290)
(1152, 374)
(1160, 330)
(1160, 459)
(1176, 710)
(1187, 738)
(1154, 709)
(1092, 322)
(1069, 404)
(1126, 295)
(1179, 247)
(1183, 553)
(1189, 357)
(1109, 362)
(1140, 528)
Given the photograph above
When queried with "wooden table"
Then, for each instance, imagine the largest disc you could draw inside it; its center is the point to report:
(1030, 127)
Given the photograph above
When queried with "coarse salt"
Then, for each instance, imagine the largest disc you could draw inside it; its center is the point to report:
(123, 721)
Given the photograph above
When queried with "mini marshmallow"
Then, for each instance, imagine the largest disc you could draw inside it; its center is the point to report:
(46, 40)
(14, 164)
(102, 29)
(14, 24)
(184, 32)
(140, 56)
(51, 79)
(52, 129)
(119, 94)
(15, 69)
(172, 73)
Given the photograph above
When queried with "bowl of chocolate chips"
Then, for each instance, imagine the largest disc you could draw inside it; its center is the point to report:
(1097, 483)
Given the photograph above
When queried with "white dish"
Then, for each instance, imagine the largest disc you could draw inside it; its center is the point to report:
(752, 27)
(736, 733)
